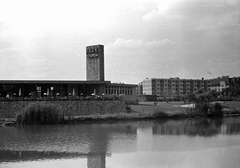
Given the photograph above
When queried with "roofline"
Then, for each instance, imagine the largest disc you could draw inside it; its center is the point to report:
(53, 82)
(122, 84)
(62, 82)
(175, 79)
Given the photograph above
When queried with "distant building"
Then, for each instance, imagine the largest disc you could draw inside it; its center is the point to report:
(173, 87)
(220, 83)
(234, 83)
(139, 90)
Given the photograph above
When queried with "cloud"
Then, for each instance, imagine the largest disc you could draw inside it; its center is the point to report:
(224, 21)
(138, 43)
(161, 8)
(149, 16)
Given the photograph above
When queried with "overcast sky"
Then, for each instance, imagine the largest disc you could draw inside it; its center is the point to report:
(47, 39)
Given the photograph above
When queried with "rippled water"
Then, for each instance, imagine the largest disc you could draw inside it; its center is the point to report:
(157, 143)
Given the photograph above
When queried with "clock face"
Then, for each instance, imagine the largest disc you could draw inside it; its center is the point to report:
(92, 51)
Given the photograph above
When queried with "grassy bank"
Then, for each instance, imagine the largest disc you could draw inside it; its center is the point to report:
(179, 108)
(144, 110)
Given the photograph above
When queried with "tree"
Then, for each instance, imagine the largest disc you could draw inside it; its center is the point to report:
(212, 95)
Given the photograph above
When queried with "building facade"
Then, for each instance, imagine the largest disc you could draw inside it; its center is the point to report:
(139, 89)
(94, 85)
(234, 82)
(173, 87)
(95, 63)
(220, 83)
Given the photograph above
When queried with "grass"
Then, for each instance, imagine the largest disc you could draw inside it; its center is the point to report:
(38, 114)
(171, 107)
(231, 104)
(174, 108)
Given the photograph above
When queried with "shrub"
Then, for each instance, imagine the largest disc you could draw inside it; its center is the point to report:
(128, 108)
(217, 109)
(202, 108)
(39, 113)
(159, 114)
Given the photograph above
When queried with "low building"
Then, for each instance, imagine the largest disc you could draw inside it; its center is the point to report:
(94, 85)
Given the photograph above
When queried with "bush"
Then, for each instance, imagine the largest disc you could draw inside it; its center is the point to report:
(128, 108)
(160, 114)
(217, 109)
(39, 113)
(201, 108)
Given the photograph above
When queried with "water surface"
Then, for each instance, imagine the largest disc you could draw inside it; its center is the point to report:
(156, 143)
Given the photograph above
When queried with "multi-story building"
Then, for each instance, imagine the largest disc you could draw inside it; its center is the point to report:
(220, 83)
(173, 87)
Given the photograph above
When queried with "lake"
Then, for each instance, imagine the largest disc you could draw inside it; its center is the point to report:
(180, 143)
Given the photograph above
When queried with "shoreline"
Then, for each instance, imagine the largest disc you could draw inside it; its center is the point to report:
(133, 116)
(142, 111)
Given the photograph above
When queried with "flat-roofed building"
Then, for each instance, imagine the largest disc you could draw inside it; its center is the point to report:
(220, 83)
(163, 87)
(95, 83)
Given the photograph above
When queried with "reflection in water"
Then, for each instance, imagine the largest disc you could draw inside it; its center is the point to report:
(96, 142)
(96, 161)
(93, 160)
(17, 156)
(198, 127)
(89, 141)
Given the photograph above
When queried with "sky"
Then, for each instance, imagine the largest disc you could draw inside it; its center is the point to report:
(47, 39)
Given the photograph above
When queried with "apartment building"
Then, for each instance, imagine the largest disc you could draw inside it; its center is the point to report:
(173, 87)
(220, 83)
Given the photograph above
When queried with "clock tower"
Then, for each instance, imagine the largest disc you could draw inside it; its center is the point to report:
(95, 62)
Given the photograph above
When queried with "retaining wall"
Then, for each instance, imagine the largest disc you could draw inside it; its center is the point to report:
(68, 108)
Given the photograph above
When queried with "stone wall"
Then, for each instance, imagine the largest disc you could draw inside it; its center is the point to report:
(70, 108)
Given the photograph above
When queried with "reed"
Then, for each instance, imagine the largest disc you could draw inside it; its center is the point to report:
(39, 114)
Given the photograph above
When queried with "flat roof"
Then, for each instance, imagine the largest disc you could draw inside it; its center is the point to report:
(176, 79)
(52, 82)
(121, 84)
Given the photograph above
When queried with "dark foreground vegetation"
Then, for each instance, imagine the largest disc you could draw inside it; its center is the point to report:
(39, 113)
(205, 103)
